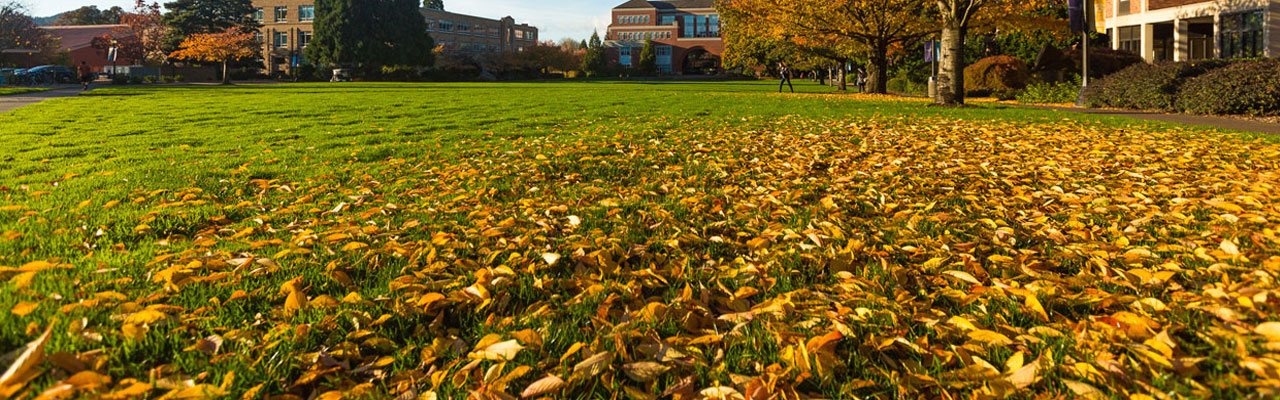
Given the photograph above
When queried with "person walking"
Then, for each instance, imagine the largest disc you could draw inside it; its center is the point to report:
(86, 75)
(785, 71)
(862, 81)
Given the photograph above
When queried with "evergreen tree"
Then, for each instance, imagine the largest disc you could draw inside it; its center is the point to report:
(189, 17)
(403, 40)
(583, 46)
(370, 34)
(340, 34)
(594, 63)
(648, 59)
(433, 4)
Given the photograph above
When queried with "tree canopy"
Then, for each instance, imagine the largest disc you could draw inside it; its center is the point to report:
(19, 31)
(370, 34)
(594, 62)
(189, 17)
(223, 47)
(648, 65)
(90, 15)
(839, 30)
(433, 4)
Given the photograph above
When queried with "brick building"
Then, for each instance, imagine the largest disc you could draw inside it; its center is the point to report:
(686, 35)
(77, 42)
(466, 33)
(287, 29)
(1181, 30)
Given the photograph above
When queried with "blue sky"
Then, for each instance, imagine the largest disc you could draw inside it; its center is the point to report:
(555, 19)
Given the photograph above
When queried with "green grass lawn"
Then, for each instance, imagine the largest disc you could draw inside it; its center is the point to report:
(5, 91)
(386, 240)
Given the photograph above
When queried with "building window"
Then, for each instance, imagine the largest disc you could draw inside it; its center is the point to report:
(446, 25)
(624, 56)
(713, 26)
(306, 13)
(1130, 39)
(1125, 7)
(282, 14)
(304, 38)
(280, 40)
(257, 37)
(257, 14)
(432, 24)
(1242, 35)
(668, 20)
(689, 26)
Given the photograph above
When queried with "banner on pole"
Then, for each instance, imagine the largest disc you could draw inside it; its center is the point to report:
(932, 51)
(1099, 16)
(111, 54)
(1076, 11)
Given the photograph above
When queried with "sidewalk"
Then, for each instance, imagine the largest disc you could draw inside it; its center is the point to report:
(1234, 124)
(10, 103)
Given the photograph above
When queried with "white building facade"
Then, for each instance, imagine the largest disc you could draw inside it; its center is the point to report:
(1185, 30)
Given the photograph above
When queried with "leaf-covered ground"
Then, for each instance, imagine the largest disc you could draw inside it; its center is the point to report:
(616, 240)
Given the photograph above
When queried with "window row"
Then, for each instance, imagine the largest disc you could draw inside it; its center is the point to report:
(633, 19)
(643, 35)
(305, 14)
(701, 26)
(1240, 36)
(280, 40)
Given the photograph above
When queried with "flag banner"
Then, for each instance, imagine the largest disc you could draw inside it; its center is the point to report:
(1099, 16)
(1075, 8)
(111, 54)
(928, 51)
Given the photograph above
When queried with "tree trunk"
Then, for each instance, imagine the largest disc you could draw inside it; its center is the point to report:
(226, 79)
(878, 76)
(951, 65)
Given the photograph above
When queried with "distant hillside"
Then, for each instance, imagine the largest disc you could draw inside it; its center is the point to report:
(46, 21)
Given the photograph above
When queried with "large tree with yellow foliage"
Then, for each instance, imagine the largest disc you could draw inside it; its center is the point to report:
(837, 28)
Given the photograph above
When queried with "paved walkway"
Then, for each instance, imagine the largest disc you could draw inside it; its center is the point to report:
(13, 102)
(1234, 124)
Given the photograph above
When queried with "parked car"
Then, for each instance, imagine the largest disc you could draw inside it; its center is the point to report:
(49, 74)
(18, 77)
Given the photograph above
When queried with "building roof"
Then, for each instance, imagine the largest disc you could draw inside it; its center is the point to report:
(667, 5)
(75, 37)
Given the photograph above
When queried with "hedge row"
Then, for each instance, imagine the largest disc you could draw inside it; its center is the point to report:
(1246, 87)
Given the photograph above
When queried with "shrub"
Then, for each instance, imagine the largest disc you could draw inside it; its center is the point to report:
(149, 79)
(307, 72)
(1245, 88)
(179, 78)
(400, 73)
(136, 80)
(995, 74)
(167, 79)
(1051, 92)
(119, 79)
(1104, 62)
(904, 85)
(1147, 86)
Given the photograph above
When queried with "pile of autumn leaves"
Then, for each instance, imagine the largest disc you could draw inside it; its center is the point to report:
(800, 259)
